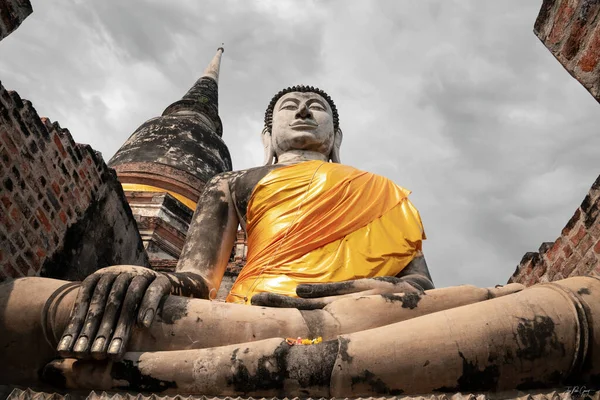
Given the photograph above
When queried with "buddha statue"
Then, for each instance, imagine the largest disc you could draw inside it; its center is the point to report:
(335, 258)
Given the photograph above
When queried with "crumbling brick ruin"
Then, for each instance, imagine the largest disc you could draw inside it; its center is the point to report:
(571, 31)
(63, 213)
(576, 252)
(60, 204)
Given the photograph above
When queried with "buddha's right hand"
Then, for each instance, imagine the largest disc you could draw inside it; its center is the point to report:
(108, 304)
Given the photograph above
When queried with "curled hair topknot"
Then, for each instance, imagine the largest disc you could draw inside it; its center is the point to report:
(301, 89)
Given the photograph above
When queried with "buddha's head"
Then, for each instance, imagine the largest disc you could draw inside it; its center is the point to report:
(301, 118)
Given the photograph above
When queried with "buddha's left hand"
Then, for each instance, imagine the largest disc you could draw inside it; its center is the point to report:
(314, 296)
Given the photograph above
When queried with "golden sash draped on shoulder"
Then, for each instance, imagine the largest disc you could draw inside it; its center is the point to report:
(317, 222)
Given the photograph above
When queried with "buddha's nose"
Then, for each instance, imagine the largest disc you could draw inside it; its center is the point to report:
(303, 112)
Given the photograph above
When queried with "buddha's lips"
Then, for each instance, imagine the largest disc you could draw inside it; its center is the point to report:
(303, 123)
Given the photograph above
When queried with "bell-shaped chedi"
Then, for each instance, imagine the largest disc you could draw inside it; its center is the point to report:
(178, 152)
(165, 164)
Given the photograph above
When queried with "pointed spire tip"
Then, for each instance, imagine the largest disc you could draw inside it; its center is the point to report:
(212, 71)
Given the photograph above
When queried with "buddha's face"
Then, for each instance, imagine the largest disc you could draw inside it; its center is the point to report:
(302, 121)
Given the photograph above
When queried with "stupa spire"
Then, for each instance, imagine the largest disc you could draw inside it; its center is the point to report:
(203, 98)
(169, 159)
(212, 71)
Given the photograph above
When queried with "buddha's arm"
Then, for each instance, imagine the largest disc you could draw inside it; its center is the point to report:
(211, 234)
(414, 278)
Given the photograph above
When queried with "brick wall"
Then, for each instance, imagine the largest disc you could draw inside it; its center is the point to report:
(575, 252)
(571, 31)
(12, 13)
(62, 211)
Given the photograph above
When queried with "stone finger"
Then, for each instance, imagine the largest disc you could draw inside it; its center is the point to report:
(65, 345)
(277, 300)
(311, 291)
(160, 287)
(131, 304)
(111, 313)
(379, 285)
(94, 315)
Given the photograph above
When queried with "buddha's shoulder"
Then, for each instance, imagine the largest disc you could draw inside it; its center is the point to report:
(244, 179)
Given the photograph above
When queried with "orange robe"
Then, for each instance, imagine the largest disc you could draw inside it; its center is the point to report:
(317, 222)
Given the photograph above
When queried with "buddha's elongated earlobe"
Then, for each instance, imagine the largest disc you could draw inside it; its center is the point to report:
(337, 143)
(269, 152)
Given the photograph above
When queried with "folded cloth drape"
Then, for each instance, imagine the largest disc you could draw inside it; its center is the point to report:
(318, 222)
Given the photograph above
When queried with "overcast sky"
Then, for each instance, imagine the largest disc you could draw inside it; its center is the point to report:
(457, 101)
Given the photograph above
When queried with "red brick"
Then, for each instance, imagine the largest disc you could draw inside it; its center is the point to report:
(560, 261)
(56, 188)
(40, 253)
(590, 57)
(576, 238)
(63, 217)
(552, 253)
(16, 215)
(578, 33)
(6, 202)
(41, 216)
(561, 21)
(59, 145)
(555, 268)
(10, 144)
(586, 243)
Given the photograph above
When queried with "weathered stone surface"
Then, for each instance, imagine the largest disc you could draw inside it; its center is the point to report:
(185, 143)
(163, 222)
(62, 211)
(12, 14)
(542, 337)
(182, 149)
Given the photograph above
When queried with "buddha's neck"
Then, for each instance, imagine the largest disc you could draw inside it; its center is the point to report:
(296, 156)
